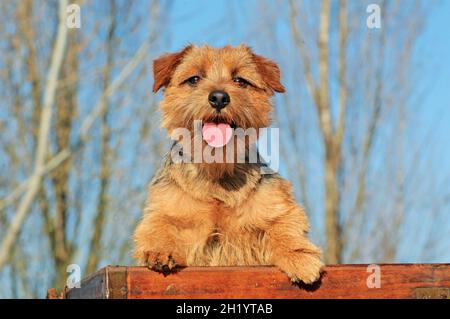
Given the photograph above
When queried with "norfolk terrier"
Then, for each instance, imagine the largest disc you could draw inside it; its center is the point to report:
(221, 213)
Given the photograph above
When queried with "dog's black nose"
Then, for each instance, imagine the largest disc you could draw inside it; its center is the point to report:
(218, 99)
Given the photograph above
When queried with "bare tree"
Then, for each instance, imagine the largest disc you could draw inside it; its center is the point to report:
(349, 133)
(68, 172)
(105, 173)
(43, 136)
(332, 134)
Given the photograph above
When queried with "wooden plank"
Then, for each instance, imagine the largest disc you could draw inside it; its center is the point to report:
(338, 281)
(107, 283)
(92, 287)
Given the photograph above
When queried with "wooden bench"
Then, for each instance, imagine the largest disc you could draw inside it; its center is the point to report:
(338, 281)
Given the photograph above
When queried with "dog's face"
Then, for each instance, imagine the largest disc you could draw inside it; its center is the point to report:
(230, 86)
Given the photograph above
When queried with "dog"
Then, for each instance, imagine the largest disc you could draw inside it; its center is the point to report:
(221, 214)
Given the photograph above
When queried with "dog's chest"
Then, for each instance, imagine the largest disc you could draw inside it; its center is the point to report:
(225, 250)
(231, 242)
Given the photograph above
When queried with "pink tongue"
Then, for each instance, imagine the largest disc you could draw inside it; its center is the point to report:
(217, 135)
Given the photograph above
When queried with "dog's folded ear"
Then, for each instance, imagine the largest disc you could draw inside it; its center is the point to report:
(270, 73)
(164, 66)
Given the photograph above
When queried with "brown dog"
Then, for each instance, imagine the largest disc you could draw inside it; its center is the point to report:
(221, 214)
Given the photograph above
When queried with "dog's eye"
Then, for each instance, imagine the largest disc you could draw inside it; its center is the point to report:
(193, 80)
(242, 82)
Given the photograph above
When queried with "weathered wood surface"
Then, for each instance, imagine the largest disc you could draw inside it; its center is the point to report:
(338, 281)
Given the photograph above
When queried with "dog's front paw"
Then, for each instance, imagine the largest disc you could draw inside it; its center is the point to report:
(161, 262)
(301, 266)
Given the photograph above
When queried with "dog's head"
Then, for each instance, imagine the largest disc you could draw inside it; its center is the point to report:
(230, 86)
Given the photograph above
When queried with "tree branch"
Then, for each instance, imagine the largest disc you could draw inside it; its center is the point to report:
(343, 90)
(299, 43)
(323, 100)
(86, 126)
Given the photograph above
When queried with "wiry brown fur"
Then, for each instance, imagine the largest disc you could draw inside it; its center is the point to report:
(222, 214)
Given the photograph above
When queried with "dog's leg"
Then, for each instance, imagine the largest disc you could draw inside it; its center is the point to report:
(173, 228)
(156, 245)
(292, 252)
(273, 210)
